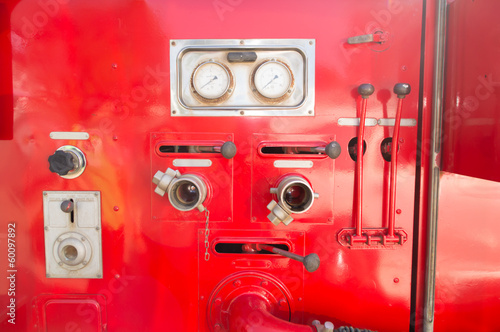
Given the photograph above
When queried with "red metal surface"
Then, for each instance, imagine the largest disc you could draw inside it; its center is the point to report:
(102, 67)
(471, 138)
(468, 277)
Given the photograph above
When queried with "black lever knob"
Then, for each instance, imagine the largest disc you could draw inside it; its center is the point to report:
(333, 150)
(228, 150)
(402, 89)
(61, 162)
(366, 90)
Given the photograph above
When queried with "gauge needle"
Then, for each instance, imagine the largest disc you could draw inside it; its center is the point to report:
(275, 77)
(215, 77)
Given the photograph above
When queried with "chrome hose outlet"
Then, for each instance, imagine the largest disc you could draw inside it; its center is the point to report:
(185, 192)
(295, 195)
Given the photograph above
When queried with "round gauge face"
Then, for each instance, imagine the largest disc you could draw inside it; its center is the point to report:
(211, 80)
(273, 79)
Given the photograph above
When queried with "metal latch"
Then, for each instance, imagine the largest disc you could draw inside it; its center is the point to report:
(376, 37)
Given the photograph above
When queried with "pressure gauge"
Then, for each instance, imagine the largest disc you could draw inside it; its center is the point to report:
(272, 81)
(212, 82)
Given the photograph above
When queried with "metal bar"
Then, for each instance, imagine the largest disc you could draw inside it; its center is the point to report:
(433, 196)
(281, 252)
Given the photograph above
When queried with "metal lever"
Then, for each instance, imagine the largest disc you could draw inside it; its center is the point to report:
(377, 37)
(228, 149)
(365, 90)
(311, 261)
(401, 89)
(332, 150)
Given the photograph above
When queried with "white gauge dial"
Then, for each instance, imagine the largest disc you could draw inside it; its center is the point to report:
(211, 80)
(273, 79)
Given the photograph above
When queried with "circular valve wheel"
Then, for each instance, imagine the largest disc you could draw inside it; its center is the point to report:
(270, 289)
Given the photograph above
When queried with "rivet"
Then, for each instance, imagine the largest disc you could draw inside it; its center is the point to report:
(282, 302)
(398, 211)
(99, 276)
(264, 283)
(83, 239)
(299, 299)
(218, 301)
(117, 276)
(115, 138)
(242, 113)
(114, 65)
(44, 194)
(242, 42)
(174, 112)
(116, 208)
(46, 228)
(396, 280)
(237, 283)
(97, 228)
(173, 43)
(60, 263)
(47, 275)
(310, 112)
(84, 262)
(311, 42)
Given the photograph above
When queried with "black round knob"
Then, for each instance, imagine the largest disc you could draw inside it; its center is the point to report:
(61, 162)
(402, 89)
(333, 150)
(366, 90)
(67, 206)
(228, 150)
(311, 262)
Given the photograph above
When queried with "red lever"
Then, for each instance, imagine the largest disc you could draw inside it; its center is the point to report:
(401, 89)
(365, 90)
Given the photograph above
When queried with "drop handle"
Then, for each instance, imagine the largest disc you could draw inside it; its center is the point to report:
(228, 149)
(311, 261)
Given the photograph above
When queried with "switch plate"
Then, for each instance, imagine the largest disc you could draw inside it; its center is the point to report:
(73, 241)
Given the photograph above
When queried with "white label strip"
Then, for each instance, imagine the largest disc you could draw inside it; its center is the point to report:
(293, 163)
(369, 122)
(78, 135)
(192, 162)
(391, 121)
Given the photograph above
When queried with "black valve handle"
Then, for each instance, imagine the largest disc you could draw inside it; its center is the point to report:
(61, 162)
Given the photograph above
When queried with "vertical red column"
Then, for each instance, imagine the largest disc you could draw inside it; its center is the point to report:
(6, 100)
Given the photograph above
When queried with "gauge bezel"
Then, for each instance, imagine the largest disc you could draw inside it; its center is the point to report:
(228, 91)
(265, 99)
